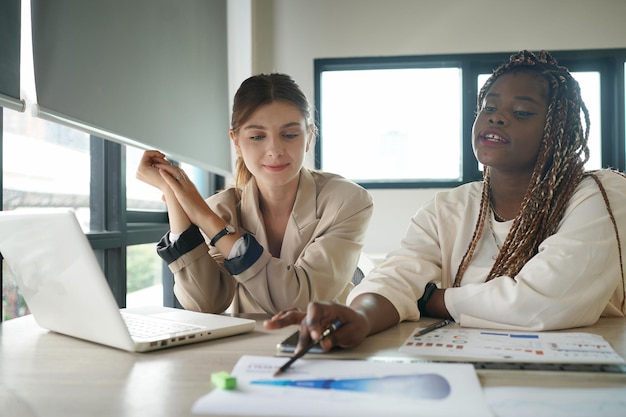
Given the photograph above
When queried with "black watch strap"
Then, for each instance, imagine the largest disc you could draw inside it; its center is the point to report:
(229, 229)
(428, 292)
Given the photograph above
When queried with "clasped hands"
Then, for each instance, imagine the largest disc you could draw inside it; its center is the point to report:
(154, 169)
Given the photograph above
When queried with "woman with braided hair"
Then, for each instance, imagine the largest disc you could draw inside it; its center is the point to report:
(538, 244)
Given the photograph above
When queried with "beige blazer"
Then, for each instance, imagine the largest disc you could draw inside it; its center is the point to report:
(319, 255)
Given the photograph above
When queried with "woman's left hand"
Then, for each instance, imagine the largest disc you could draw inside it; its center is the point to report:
(284, 318)
(148, 170)
(185, 191)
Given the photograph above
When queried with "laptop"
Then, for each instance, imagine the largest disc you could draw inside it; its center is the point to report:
(66, 291)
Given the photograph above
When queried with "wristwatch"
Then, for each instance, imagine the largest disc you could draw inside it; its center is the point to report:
(428, 292)
(229, 229)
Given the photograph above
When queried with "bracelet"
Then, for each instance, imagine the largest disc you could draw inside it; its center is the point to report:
(428, 292)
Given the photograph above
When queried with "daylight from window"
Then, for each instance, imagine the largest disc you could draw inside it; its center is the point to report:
(48, 165)
(397, 125)
(388, 124)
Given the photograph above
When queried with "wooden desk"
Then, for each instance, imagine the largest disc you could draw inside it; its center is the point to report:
(45, 374)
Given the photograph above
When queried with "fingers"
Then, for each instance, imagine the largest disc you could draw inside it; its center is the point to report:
(153, 162)
(152, 154)
(185, 193)
(172, 175)
(284, 318)
(180, 176)
(329, 342)
(148, 169)
(320, 316)
(304, 337)
(152, 158)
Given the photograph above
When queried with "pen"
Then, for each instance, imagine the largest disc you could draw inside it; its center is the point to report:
(432, 327)
(298, 355)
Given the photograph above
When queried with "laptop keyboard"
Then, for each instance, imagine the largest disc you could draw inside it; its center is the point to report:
(146, 327)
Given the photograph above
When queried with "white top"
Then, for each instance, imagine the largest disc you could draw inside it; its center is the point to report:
(573, 279)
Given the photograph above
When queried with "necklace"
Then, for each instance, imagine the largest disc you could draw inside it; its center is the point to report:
(496, 216)
(493, 234)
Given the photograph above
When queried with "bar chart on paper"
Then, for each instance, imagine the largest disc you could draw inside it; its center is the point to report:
(532, 347)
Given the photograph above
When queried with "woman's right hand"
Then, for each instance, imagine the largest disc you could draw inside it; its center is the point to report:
(148, 173)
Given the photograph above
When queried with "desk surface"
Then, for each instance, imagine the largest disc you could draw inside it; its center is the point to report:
(47, 374)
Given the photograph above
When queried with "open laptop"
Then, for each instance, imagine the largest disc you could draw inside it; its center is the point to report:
(66, 291)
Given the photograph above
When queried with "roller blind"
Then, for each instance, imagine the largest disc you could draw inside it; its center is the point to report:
(149, 73)
(10, 54)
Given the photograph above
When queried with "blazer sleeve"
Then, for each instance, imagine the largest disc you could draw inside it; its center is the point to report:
(323, 270)
(201, 281)
(326, 253)
(574, 278)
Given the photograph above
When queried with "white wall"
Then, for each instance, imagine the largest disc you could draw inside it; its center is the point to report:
(287, 35)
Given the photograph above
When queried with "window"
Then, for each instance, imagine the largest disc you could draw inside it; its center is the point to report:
(144, 267)
(144, 284)
(50, 165)
(405, 122)
(44, 165)
(139, 195)
(390, 122)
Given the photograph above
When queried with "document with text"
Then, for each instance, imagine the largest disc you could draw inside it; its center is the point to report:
(327, 388)
(493, 345)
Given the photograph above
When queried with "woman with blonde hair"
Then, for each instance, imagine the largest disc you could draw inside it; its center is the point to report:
(284, 235)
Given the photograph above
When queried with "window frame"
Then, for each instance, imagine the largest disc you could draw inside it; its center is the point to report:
(120, 227)
(608, 62)
(123, 227)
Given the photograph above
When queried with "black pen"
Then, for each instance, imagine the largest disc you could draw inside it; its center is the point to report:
(435, 326)
(304, 351)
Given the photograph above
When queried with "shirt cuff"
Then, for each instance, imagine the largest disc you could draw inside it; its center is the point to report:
(239, 248)
(253, 251)
(174, 236)
(170, 250)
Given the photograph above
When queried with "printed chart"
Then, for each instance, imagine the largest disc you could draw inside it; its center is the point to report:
(545, 347)
(339, 388)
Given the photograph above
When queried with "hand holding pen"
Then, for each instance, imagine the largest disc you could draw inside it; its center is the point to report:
(354, 326)
(334, 326)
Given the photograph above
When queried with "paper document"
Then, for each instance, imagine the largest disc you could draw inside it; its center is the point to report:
(512, 401)
(493, 345)
(341, 388)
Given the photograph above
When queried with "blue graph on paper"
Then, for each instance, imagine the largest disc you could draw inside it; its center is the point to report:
(416, 386)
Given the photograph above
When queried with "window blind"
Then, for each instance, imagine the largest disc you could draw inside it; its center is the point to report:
(149, 73)
(10, 55)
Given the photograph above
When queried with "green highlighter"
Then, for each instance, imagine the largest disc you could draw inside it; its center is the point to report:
(224, 380)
